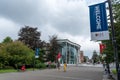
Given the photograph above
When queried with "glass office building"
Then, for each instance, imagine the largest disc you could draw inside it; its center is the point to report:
(70, 51)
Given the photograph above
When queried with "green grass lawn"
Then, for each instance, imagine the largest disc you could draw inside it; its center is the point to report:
(14, 70)
(7, 70)
(114, 71)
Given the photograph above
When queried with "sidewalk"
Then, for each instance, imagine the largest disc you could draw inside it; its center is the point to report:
(91, 65)
(105, 75)
(108, 77)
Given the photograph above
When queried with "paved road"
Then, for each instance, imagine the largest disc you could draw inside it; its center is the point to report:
(73, 73)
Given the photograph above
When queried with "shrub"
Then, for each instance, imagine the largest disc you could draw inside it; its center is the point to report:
(53, 66)
(40, 65)
(1, 66)
(8, 67)
(114, 71)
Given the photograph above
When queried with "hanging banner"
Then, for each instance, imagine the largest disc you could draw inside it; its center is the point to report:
(102, 47)
(98, 22)
(37, 53)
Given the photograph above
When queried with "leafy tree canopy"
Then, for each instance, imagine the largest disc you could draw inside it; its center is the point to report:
(7, 40)
(30, 36)
(95, 56)
(109, 45)
(54, 48)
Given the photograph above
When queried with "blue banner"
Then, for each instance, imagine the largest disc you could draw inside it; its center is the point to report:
(37, 52)
(98, 22)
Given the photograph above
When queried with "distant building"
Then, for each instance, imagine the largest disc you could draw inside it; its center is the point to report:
(81, 57)
(69, 51)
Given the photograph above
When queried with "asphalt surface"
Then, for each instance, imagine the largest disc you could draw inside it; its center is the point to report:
(73, 73)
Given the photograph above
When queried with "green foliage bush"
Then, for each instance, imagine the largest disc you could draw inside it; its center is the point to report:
(114, 71)
(1, 66)
(53, 66)
(15, 53)
(40, 65)
(8, 67)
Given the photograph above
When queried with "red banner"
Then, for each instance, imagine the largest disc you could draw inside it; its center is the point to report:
(102, 47)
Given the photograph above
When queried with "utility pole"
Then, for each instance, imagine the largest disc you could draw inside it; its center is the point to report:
(114, 40)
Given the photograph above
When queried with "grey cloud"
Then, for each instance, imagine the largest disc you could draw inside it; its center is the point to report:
(37, 12)
(74, 22)
(23, 11)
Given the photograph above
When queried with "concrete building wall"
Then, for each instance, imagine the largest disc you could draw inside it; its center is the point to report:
(81, 57)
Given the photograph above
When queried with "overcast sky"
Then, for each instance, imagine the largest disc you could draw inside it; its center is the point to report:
(68, 19)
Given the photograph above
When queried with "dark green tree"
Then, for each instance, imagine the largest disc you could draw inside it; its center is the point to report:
(116, 8)
(95, 57)
(7, 40)
(3, 56)
(108, 51)
(54, 48)
(30, 36)
(109, 45)
(42, 55)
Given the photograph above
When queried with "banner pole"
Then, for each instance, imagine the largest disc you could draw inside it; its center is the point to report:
(114, 40)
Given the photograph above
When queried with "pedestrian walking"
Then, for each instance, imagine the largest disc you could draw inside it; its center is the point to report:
(49, 64)
(65, 66)
(58, 65)
(58, 60)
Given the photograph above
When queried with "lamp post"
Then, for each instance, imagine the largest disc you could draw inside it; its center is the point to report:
(114, 40)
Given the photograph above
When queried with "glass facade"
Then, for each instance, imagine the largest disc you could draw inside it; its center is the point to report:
(69, 51)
